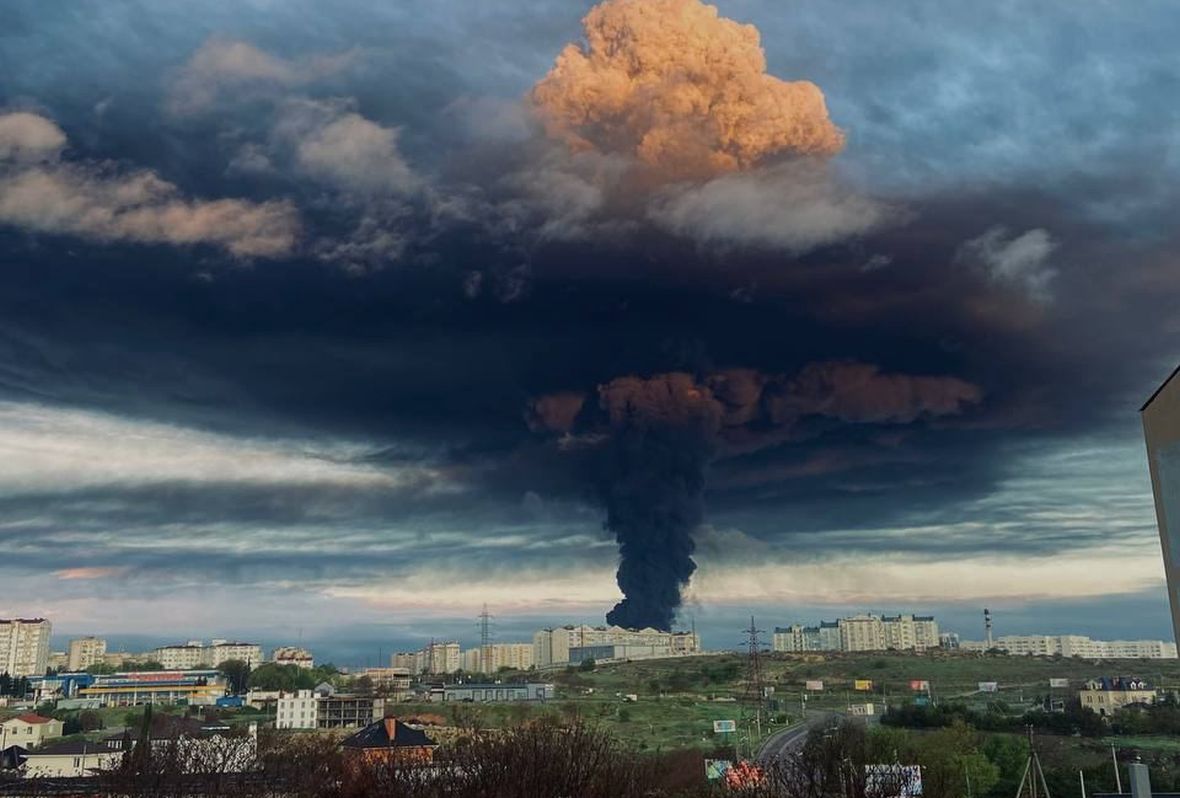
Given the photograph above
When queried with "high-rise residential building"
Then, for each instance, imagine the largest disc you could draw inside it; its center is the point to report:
(195, 654)
(861, 633)
(188, 656)
(1161, 428)
(86, 651)
(24, 646)
(494, 656)
(222, 650)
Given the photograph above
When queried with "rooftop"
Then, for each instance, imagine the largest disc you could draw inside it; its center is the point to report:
(388, 733)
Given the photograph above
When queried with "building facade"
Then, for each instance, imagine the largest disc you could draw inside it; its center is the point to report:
(296, 710)
(292, 655)
(24, 646)
(86, 651)
(553, 647)
(1161, 429)
(223, 650)
(480, 693)
(860, 633)
(1075, 646)
(29, 731)
(1104, 695)
(493, 657)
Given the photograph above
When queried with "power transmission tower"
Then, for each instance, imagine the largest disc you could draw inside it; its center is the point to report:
(485, 640)
(1032, 783)
(754, 702)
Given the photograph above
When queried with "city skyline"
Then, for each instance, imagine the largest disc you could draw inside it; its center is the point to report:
(344, 323)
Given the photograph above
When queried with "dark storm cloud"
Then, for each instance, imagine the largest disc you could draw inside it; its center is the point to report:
(981, 228)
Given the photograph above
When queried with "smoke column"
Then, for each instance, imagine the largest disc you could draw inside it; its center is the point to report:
(652, 484)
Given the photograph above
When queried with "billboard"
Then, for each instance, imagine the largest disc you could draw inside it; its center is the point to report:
(989, 687)
(862, 684)
(724, 726)
(919, 685)
(893, 781)
(717, 768)
(815, 685)
(1059, 682)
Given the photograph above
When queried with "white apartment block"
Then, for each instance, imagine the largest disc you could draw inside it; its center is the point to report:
(296, 710)
(86, 651)
(291, 655)
(187, 657)
(860, 633)
(24, 646)
(493, 657)
(222, 650)
(552, 646)
(435, 658)
(1075, 646)
(195, 654)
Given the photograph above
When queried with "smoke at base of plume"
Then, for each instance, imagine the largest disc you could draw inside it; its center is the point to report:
(680, 88)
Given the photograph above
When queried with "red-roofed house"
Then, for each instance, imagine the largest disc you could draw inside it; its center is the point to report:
(28, 730)
(389, 740)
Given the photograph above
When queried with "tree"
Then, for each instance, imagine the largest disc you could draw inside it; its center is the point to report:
(237, 675)
(587, 665)
(100, 668)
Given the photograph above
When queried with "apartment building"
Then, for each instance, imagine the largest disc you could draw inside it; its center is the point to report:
(292, 655)
(493, 657)
(24, 646)
(559, 645)
(195, 654)
(1075, 646)
(86, 651)
(296, 710)
(863, 632)
(222, 650)
(435, 658)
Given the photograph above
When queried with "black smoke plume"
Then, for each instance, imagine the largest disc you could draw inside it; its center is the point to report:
(651, 441)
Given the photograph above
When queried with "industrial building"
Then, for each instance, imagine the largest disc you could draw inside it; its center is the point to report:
(1161, 429)
(193, 687)
(498, 692)
(24, 646)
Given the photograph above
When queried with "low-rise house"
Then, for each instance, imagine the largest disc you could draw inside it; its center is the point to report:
(74, 758)
(29, 730)
(1106, 694)
(389, 740)
(203, 747)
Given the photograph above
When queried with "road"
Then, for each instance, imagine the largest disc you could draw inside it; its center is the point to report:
(791, 739)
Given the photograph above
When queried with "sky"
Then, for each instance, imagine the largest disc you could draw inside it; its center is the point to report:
(332, 323)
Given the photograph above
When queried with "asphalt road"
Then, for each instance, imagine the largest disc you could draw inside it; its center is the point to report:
(784, 742)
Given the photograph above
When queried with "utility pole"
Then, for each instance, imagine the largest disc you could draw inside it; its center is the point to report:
(1118, 780)
(755, 692)
(1034, 774)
